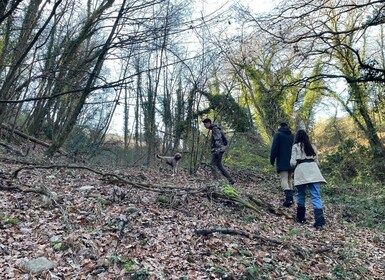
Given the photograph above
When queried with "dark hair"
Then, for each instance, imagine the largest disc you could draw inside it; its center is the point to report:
(282, 124)
(207, 120)
(302, 138)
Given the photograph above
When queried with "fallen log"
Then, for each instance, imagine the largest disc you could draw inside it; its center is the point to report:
(23, 135)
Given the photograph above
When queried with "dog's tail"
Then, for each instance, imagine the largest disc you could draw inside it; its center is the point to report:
(158, 156)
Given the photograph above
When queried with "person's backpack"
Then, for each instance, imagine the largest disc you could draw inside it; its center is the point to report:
(224, 139)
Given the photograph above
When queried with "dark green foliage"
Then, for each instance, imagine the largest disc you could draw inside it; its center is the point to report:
(354, 176)
(229, 111)
(247, 151)
(354, 162)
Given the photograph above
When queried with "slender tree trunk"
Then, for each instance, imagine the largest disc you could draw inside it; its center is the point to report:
(137, 103)
(180, 124)
(71, 68)
(6, 91)
(62, 136)
(125, 123)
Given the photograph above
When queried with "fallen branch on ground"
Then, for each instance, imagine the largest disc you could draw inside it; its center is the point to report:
(211, 192)
(269, 207)
(23, 135)
(216, 194)
(115, 179)
(25, 190)
(12, 149)
(16, 161)
(17, 171)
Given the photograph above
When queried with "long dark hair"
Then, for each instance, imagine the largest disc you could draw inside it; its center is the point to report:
(302, 138)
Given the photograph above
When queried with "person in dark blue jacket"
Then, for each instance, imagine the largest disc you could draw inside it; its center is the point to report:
(280, 155)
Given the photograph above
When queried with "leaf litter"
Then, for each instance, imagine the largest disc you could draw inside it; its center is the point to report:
(90, 234)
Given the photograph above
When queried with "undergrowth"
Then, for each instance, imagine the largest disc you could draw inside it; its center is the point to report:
(362, 203)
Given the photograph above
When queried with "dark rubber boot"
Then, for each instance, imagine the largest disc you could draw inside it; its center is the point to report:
(288, 198)
(301, 210)
(319, 218)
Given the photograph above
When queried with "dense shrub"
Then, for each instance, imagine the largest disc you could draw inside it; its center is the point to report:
(349, 162)
(247, 151)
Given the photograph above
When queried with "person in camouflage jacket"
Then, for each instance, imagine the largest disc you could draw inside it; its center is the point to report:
(217, 150)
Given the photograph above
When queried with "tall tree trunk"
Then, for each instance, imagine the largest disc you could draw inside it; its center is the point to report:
(125, 121)
(180, 124)
(137, 103)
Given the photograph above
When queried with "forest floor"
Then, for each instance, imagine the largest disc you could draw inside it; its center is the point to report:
(138, 223)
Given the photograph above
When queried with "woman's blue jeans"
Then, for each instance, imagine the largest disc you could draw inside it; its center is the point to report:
(315, 195)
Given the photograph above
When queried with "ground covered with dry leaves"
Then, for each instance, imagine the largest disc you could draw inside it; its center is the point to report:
(97, 227)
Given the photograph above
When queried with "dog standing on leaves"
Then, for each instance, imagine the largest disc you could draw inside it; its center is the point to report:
(172, 161)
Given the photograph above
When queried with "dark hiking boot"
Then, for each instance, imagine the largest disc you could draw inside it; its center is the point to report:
(319, 218)
(288, 198)
(301, 210)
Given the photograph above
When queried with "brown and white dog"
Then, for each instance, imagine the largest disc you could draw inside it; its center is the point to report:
(172, 161)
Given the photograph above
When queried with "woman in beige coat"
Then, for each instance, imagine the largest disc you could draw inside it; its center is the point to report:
(307, 175)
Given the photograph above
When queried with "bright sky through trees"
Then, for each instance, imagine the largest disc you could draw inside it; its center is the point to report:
(205, 10)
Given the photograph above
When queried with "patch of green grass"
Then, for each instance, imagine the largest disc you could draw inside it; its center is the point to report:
(10, 221)
(102, 200)
(252, 272)
(57, 246)
(223, 273)
(360, 270)
(228, 253)
(128, 265)
(340, 272)
(295, 231)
